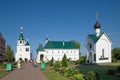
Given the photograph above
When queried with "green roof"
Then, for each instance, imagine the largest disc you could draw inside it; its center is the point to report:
(27, 43)
(40, 47)
(21, 37)
(61, 45)
(94, 37)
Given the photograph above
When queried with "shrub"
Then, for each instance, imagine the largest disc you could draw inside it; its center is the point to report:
(111, 72)
(14, 64)
(92, 75)
(114, 60)
(118, 69)
(81, 60)
(57, 66)
(79, 76)
(2, 65)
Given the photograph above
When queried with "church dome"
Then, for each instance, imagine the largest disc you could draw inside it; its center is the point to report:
(97, 25)
(21, 37)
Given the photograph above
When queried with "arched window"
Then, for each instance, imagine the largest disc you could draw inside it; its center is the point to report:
(103, 53)
(20, 41)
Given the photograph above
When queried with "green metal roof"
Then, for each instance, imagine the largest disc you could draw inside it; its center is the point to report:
(61, 45)
(27, 43)
(40, 47)
(94, 37)
(21, 37)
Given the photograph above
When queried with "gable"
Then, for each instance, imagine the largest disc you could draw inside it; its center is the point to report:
(105, 37)
(96, 38)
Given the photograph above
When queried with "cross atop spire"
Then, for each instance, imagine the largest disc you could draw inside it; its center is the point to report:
(21, 29)
(96, 15)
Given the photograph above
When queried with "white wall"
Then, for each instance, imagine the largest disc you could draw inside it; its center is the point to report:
(58, 54)
(22, 53)
(105, 44)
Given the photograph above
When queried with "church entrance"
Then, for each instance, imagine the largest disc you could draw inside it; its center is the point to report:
(41, 57)
(26, 60)
(20, 59)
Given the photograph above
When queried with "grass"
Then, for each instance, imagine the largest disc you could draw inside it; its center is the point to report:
(52, 75)
(3, 72)
(101, 69)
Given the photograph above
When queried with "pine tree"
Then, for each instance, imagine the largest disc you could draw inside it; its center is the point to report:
(64, 61)
(51, 62)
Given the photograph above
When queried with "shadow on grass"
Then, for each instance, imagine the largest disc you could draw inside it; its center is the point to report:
(101, 69)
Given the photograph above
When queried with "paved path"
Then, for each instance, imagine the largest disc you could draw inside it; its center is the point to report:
(28, 72)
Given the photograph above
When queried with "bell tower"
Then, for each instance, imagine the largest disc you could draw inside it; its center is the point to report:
(21, 40)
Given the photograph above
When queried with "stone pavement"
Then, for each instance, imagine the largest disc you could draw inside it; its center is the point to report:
(28, 72)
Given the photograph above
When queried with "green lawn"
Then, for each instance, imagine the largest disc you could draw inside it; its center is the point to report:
(3, 73)
(101, 69)
(52, 75)
(2, 70)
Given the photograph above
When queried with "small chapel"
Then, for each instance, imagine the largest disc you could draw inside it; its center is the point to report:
(98, 46)
(23, 49)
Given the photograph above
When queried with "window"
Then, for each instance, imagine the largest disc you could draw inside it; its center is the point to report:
(103, 53)
(90, 45)
(27, 49)
(20, 49)
(74, 51)
(67, 52)
(94, 57)
(20, 41)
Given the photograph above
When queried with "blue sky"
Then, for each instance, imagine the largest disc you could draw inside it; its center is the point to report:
(61, 20)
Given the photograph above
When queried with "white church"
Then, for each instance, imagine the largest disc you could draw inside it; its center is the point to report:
(98, 46)
(23, 49)
(57, 49)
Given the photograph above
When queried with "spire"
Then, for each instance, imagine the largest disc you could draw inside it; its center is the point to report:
(97, 25)
(96, 15)
(21, 37)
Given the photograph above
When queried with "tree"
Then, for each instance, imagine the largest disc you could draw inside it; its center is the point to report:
(9, 54)
(76, 43)
(116, 54)
(64, 61)
(51, 62)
